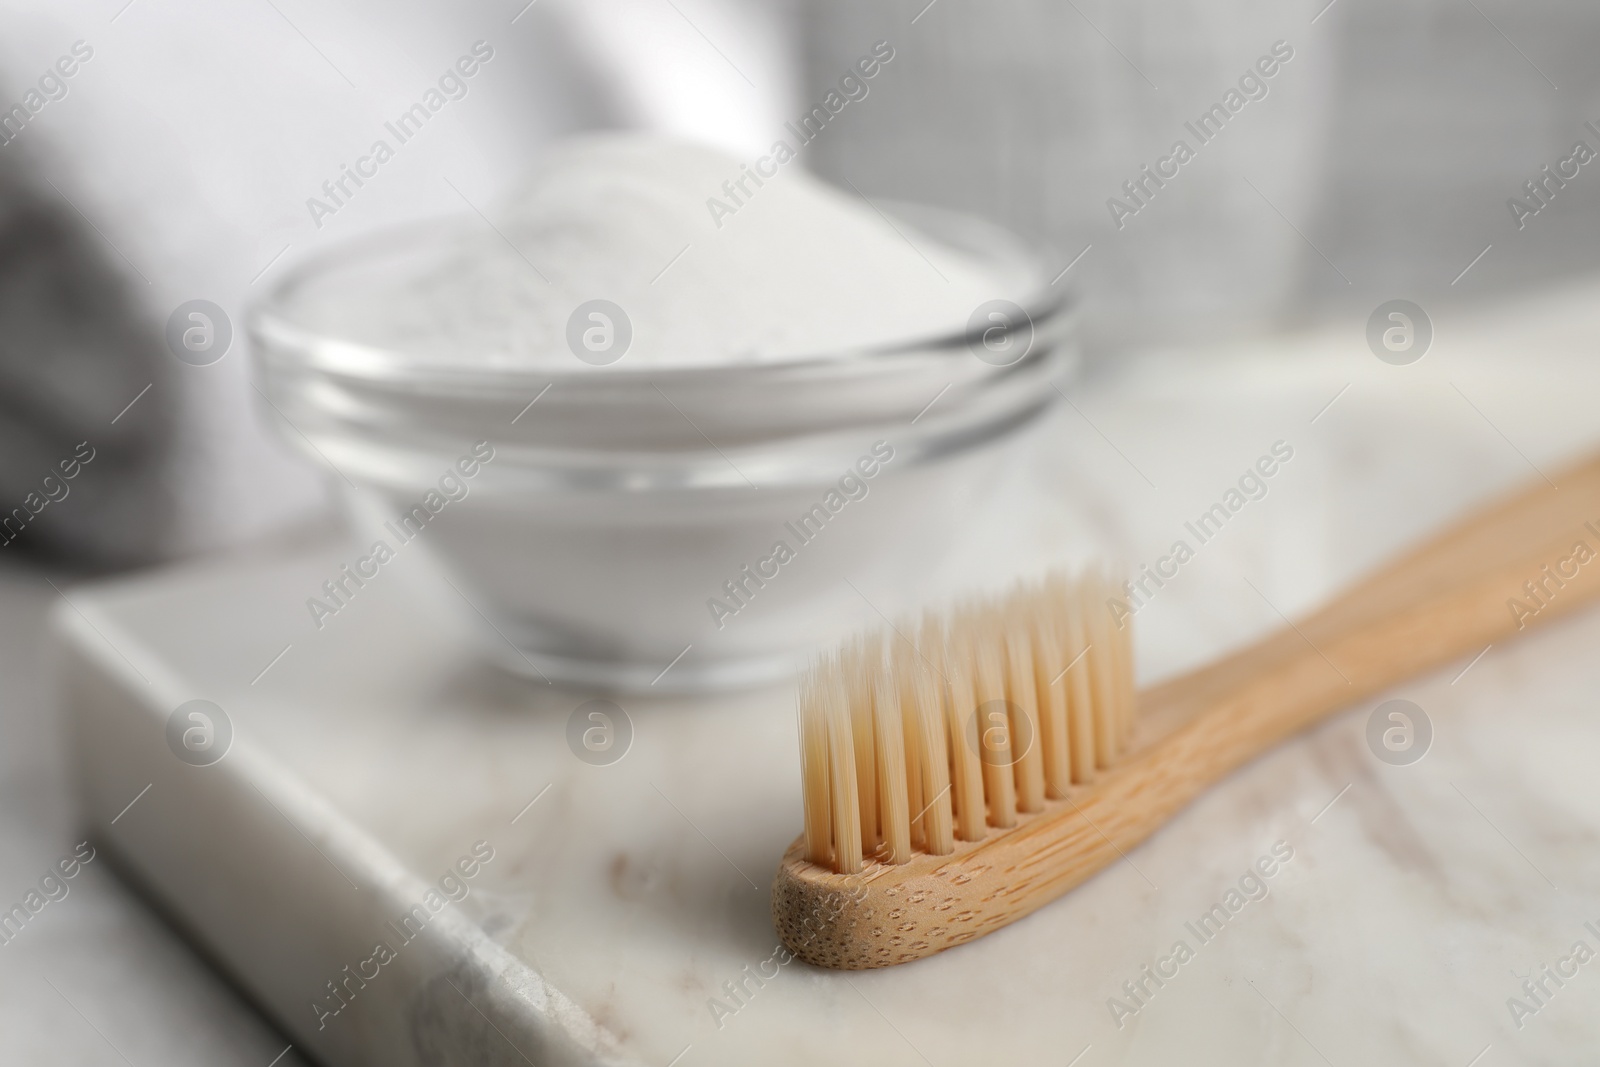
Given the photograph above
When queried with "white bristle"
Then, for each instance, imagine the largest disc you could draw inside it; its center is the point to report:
(1049, 680)
(966, 768)
(991, 726)
(814, 767)
(894, 801)
(1022, 696)
(834, 775)
(915, 739)
(927, 762)
(858, 675)
(1080, 704)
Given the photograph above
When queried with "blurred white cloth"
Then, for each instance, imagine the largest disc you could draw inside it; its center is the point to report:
(192, 140)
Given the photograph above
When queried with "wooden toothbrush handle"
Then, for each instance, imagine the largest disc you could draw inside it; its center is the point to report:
(1463, 590)
(1450, 598)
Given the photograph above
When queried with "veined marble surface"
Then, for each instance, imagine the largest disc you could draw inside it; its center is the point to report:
(372, 754)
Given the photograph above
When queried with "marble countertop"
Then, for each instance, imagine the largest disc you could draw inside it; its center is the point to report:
(98, 977)
(622, 899)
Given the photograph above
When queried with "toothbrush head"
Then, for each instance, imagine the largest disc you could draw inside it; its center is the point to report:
(920, 741)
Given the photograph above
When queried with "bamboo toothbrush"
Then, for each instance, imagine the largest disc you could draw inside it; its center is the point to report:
(959, 775)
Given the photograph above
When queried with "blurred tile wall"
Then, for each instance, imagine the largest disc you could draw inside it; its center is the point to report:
(1378, 164)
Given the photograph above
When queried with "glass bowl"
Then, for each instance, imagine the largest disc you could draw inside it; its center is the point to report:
(621, 525)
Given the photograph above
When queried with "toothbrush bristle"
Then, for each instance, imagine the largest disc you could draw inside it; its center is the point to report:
(925, 735)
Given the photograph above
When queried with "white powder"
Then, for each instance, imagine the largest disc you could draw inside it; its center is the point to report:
(798, 269)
